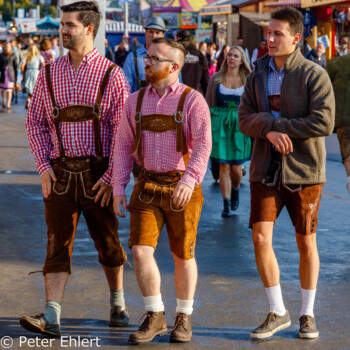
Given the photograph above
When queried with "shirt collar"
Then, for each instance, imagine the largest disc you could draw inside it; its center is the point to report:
(170, 88)
(272, 67)
(88, 59)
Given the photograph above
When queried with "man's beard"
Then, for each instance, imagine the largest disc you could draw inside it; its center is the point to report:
(71, 43)
(157, 76)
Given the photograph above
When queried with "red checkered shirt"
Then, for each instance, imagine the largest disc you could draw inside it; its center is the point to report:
(70, 88)
(159, 148)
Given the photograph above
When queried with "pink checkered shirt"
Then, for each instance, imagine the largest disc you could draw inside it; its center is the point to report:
(75, 88)
(159, 148)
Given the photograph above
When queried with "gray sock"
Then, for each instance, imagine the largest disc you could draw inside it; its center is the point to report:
(117, 298)
(52, 312)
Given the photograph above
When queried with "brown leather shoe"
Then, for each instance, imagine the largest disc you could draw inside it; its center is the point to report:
(182, 331)
(154, 324)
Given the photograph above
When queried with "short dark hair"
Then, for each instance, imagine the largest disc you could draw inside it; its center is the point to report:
(292, 16)
(170, 42)
(89, 13)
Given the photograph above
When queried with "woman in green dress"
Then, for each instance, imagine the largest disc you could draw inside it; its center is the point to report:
(231, 148)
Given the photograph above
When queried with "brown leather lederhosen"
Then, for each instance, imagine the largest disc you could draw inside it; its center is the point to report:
(151, 204)
(72, 192)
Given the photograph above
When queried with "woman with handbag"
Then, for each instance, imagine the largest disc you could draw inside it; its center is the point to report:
(30, 70)
(230, 148)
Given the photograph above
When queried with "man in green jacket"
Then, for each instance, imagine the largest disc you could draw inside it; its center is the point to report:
(339, 71)
(288, 107)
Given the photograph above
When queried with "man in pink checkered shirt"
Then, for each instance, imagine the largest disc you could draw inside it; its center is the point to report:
(167, 127)
(71, 125)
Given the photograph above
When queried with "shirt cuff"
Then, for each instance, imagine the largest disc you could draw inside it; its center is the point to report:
(118, 191)
(44, 168)
(106, 179)
(189, 181)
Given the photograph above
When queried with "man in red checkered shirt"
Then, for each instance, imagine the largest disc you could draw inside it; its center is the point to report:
(71, 125)
(167, 126)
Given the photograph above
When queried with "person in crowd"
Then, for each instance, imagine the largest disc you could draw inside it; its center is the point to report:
(8, 75)
(203, 47)
(317, 56)
(339, 70)
(240, 42)
(221, 58)
(30, 68)
(71, 131)
(135, 44)
(169, 191)
(231, 148)
(212, 58)
(17, 50)
(121, 53)
(195, 71)
(46, 51)
(55, 48)
(134, 66)
(259, 52)
(109, 54)
(288, 107)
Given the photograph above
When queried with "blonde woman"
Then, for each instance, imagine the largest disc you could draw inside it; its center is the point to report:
(231, 148)
(30, 69)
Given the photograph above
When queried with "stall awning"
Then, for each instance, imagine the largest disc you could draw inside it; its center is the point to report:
(188, 5)
(285, 3)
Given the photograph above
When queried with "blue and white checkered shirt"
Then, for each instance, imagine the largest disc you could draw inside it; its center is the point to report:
(274, 83)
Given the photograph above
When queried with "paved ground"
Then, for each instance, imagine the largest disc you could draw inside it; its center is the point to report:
(230, 300)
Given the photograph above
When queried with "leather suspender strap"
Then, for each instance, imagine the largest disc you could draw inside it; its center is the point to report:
(97, 112)
(179, 122)
(55, 110)
(136, 71)
(137, 143)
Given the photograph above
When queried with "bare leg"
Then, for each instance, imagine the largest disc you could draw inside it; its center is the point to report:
(225, 180)
(347, 166)
(146, 269)
(114, 276)
(236, 175)
(264, 255)
(185, 278)
(9, 98)
(55, 284)
(309, 261)
(3, 98)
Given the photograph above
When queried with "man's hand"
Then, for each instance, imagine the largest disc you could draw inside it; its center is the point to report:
(182, 194)
(282, 142)
(104, 191)
(117, 202)
(46, 182)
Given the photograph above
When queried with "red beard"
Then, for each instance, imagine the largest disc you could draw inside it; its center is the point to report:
(156, 75)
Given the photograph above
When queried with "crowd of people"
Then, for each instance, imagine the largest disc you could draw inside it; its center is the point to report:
(274, 108)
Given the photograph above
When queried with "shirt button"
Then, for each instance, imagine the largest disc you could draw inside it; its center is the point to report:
(157, 135)
(157, 151)
(158, 167)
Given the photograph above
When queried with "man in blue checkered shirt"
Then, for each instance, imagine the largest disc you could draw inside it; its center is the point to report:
(288, 107)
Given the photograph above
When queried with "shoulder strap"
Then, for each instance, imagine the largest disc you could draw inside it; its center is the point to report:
(136, 71)
(138, 120)
(49, 84)
(104, 84)
(180, 139)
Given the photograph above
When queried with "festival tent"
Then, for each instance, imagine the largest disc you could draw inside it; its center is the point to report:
(189, 5)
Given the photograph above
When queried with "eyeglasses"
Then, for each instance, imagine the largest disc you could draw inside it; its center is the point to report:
(154, 60)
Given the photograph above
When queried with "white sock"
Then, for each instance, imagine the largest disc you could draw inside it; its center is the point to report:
(274, 294)
(184, 306)
(154, 303)
(348, 184)
(308, 300)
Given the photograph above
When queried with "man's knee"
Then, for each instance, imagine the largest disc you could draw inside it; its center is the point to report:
(262, 235)
(180, 261)
(306, 243)
(142, 253)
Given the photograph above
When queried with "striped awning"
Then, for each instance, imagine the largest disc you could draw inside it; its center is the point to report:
(118, 27)
(285, 3)
(189, 5)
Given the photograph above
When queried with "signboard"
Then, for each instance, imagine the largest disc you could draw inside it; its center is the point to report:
(171, 19)
(189, 20)
(204, 35)
(28, 27)
(313, 3)
(216, 10)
